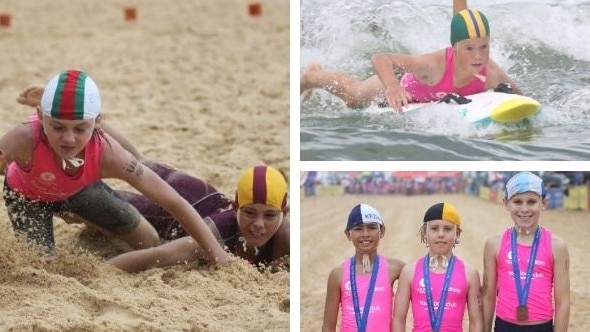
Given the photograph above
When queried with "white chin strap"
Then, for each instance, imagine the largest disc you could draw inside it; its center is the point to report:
(438, 261)
(242, 239)
(76, 162)
(281, 218)
(366, 263)
(526, 231)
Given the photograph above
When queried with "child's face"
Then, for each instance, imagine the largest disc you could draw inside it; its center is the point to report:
(365, 238)
(440, 236)
(472, 54)
(525, 209)
(259, 222)
(68, 138)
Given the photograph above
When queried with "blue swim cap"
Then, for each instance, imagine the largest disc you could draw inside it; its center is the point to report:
(363, 214)
(524, 182)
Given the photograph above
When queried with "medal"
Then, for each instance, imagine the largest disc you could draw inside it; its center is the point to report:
(437, 316)
(522, 313)
(522, 291)
(362, 317)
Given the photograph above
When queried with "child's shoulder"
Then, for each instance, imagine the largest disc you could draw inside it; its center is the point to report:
(394, 262)
(437, 57)
(558, 242)
(493, 239)
(336, 274)
(469, 269)
(21, 135)
(407, 271)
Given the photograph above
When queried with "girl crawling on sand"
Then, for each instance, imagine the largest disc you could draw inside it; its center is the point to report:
(254, 227)
(55, 164)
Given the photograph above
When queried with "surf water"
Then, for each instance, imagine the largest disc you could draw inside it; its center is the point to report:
(541, 44)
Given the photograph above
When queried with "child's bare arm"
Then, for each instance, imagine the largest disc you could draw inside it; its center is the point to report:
(459, 5)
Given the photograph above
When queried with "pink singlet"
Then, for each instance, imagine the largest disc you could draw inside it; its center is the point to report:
(44, 179)
(452, 320)
(423, 93)
(381, 304)
(540, 294)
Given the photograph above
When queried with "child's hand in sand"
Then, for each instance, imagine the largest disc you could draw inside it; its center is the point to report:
(30, 96)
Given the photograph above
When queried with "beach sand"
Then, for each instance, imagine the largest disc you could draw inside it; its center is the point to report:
(201, 85)
(324, 245)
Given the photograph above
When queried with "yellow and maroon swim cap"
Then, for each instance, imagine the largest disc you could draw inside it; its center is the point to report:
(262, 185)
(443, 211)
(467, 24)
(71, 95)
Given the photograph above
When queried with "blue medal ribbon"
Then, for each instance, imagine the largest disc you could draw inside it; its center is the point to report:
(436, 318)
(523, 292)
(361, 322)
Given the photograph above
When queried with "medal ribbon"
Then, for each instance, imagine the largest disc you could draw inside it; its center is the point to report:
(361, 322)
(523, 292)
(436, 318)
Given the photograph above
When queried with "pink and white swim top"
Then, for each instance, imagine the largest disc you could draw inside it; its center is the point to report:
(540, 294)
(423, 93)
(452, 319)
(381, 305)
(44, 179)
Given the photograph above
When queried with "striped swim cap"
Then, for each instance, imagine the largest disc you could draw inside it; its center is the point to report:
(443, 211)
(363, 214)
(524, 182)
(71, 95)
(469, 23)
(262, 185)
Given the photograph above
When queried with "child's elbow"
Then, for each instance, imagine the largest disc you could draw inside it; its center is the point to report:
(377, 58)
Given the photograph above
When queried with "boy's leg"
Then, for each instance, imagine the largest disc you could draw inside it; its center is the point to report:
(142, 236)
(32, 219)
(30, 96)
(354, 93)
(102, 207)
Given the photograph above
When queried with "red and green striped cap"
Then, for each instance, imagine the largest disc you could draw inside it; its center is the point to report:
(262, 185)
(71, 95)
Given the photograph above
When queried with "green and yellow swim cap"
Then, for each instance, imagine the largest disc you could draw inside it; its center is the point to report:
(467, 24)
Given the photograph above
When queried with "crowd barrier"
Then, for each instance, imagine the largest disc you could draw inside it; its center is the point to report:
(578, 198)
(572, 198)
(330, 190)
(321, 191)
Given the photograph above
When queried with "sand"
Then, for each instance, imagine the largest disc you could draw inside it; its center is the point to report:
(324, 245)
(198, 84)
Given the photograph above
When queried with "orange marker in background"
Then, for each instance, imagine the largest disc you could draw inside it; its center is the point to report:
(5, 20)
(255, 9)
(130, 13)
